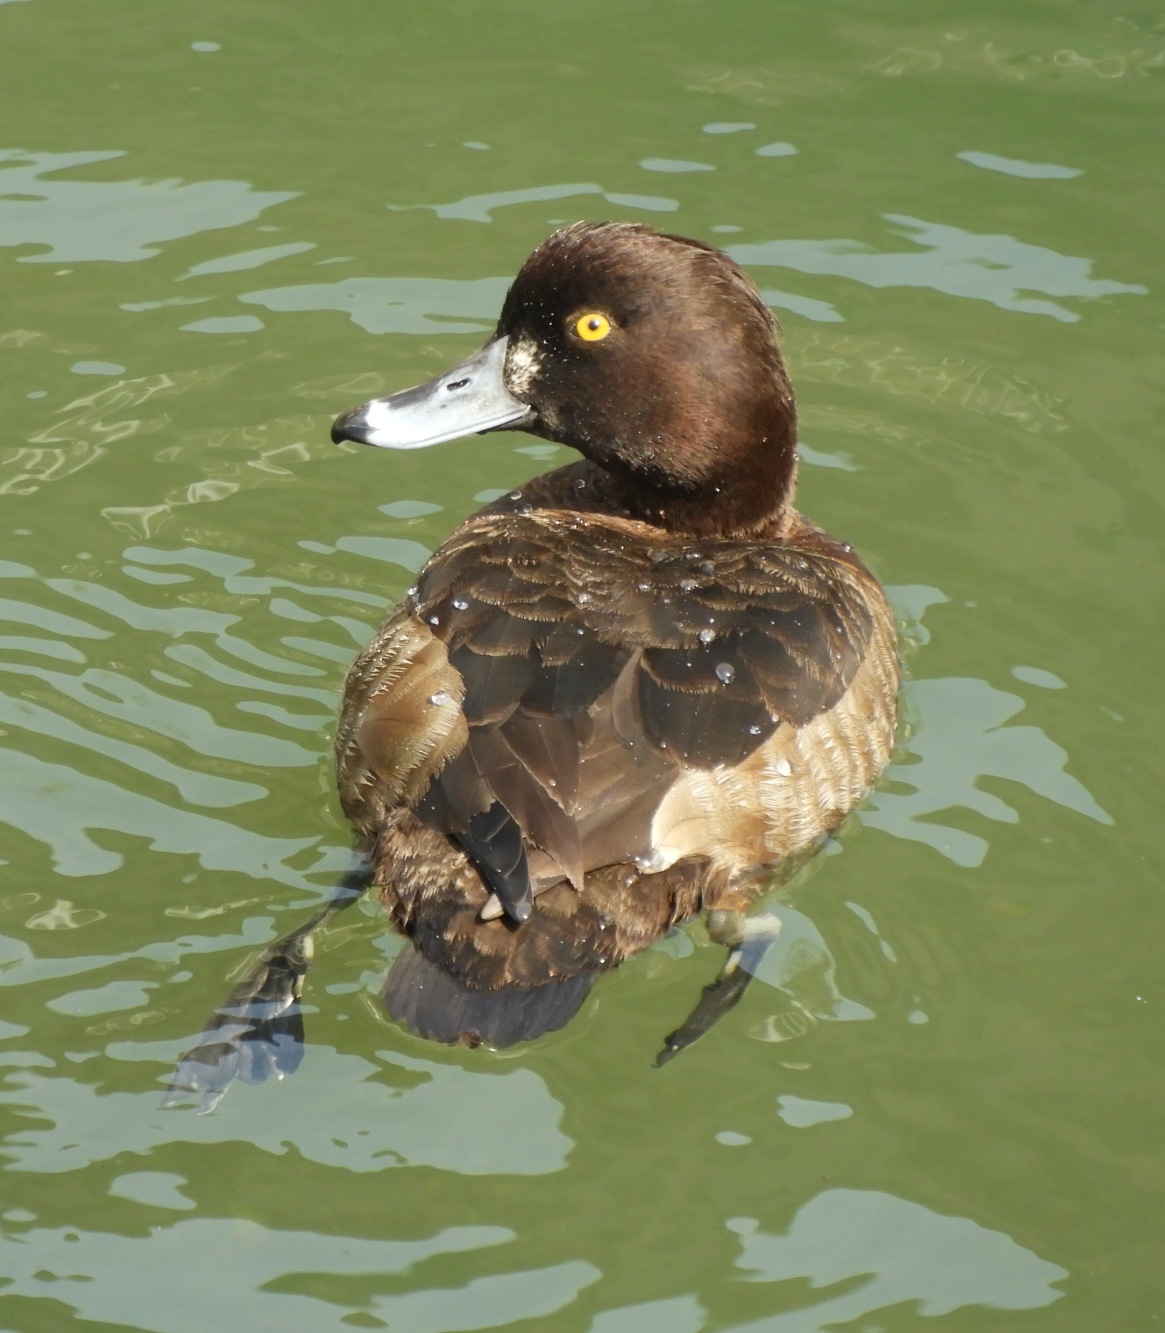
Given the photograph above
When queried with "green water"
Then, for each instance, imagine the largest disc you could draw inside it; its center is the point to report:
(221, 224)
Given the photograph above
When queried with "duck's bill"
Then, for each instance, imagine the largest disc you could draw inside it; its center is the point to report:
(470, 398)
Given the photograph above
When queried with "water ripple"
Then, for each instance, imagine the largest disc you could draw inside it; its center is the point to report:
(478, 207)
(978, 266)
(403, 1112)
(885, 1252)
(256, 1270)
(123, 221)
(59, 806)
(958, 739)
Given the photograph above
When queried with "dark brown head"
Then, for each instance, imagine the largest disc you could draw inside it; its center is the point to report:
(655, 357)
(652, 355)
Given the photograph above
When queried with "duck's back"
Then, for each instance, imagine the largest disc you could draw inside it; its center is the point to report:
(588, 728)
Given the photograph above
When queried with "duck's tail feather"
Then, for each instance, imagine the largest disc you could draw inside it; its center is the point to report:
(433, 1004)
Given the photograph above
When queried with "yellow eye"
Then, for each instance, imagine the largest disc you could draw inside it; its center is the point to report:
(592, 327)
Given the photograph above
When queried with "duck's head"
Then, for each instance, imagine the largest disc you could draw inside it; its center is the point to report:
(652, 355)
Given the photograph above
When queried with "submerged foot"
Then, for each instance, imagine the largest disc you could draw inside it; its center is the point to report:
(257, 1031)
(749, 939)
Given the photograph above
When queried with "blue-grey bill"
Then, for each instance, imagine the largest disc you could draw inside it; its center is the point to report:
(471, 397)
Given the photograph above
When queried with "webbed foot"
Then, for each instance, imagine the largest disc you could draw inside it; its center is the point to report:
(257, 1032)
(749, 939)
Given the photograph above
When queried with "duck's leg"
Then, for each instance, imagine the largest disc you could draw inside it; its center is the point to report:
(258, 1029)
(748, 939)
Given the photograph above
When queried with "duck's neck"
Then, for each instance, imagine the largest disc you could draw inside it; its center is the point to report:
(730, 512)
(727, 492)
(713, 458)
(728, 507)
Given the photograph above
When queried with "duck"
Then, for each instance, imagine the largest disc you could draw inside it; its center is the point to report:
(637, 688)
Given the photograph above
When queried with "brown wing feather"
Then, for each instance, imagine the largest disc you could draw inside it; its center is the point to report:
(724, 632)
(401, 722)
(586, 678)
